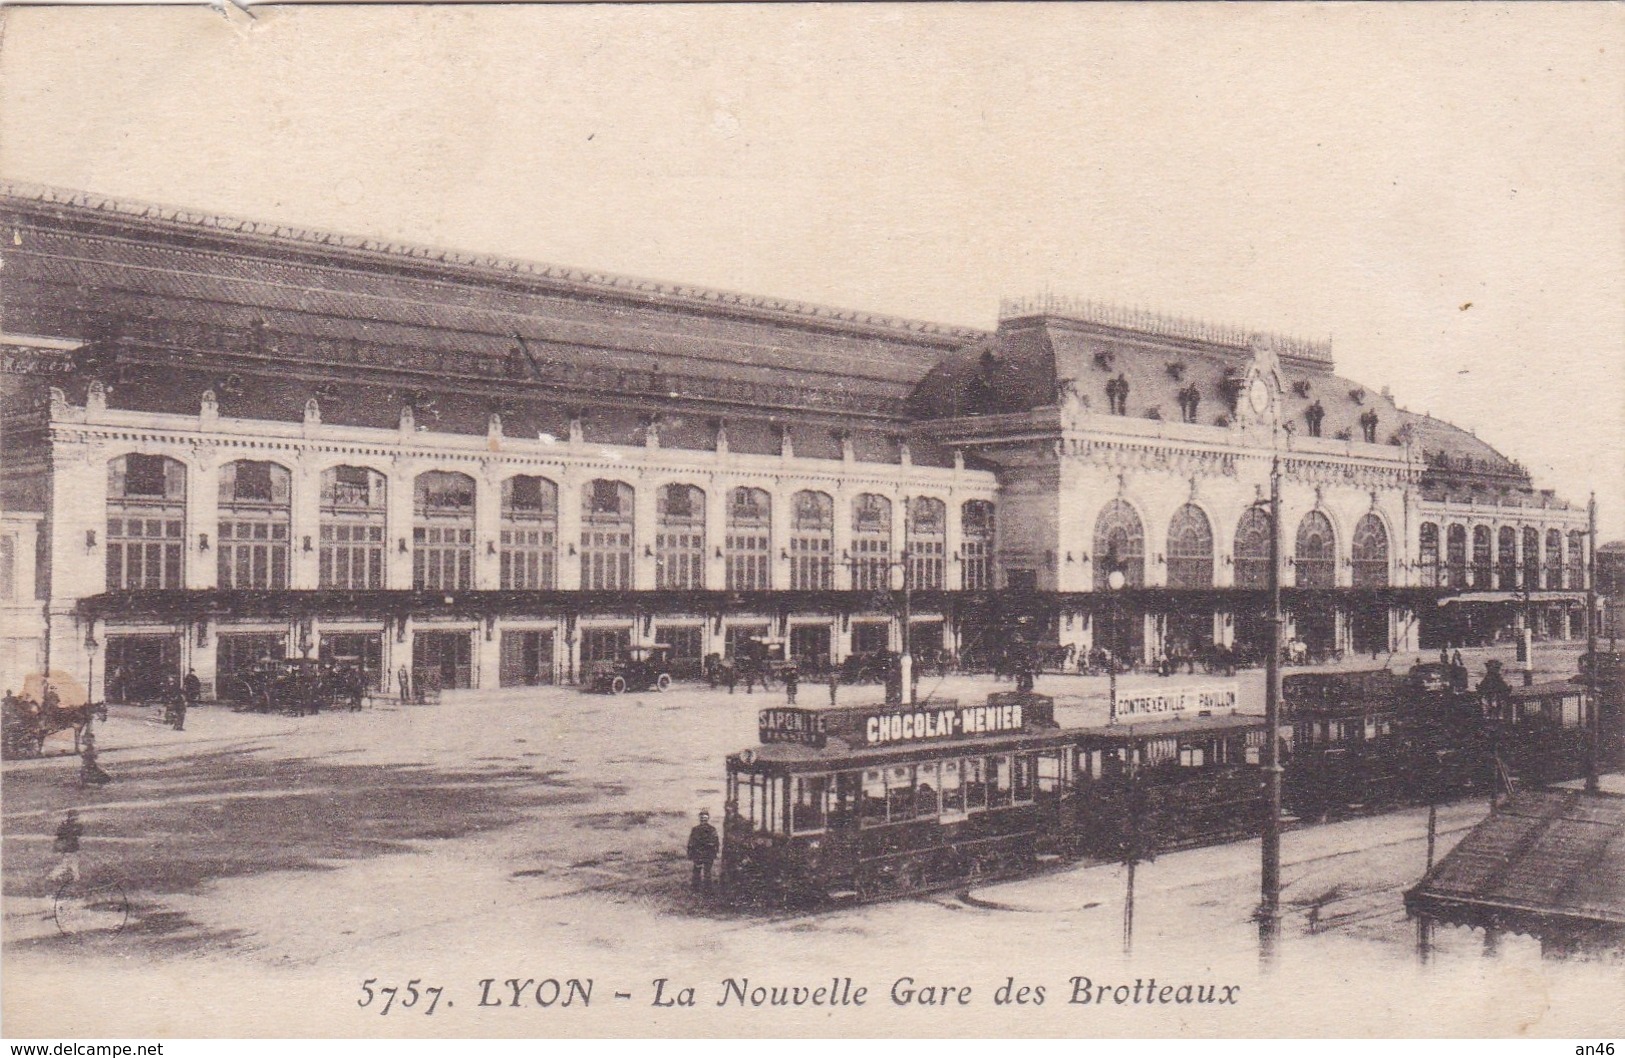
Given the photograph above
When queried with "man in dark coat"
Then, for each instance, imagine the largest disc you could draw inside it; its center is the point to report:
(703, 846)
(792, 681)
(191, 691)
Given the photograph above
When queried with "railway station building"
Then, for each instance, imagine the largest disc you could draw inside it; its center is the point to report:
(225, 440)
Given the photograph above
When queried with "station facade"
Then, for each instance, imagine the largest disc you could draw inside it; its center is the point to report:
(227, 440)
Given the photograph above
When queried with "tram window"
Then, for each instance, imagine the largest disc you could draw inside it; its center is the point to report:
(874, 796)
(1370, 730)
(953, 788)
(975, 784)
(900, 792)
(998, 781)
(1254, 754)
(807, 812)
(928, 781)
(1049, 770)
(760, 800)
(843, 798)
(1023, 779)
(1571, 712)
(1191, 756)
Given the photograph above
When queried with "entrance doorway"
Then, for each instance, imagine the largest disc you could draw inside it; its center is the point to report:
(236, 654)
(1121, 630)
(356, 648)
(809, 645)
(140, 667)
(870, 637)
(1188, 632)
(527, 659)
(1368, 629)
(442, 660)
(1317, 630)
(603, 644)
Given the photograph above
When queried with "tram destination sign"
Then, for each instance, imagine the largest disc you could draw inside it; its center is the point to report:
(1210, 698)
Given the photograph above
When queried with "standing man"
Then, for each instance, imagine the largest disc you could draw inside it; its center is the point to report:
(729, 674)
(702, 851)
(792, 680)
(834, 683)
(191, 691)
(90, 772)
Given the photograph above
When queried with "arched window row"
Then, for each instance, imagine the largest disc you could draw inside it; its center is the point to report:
(254, 542)
(1507, 558)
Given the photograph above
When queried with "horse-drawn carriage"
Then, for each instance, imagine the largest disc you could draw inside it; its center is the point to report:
(298, 686)
(25, 724)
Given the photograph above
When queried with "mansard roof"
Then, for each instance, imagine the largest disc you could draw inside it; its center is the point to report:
(1024, 365)
(78, 265)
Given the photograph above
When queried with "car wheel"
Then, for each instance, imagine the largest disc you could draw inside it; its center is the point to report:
(617, 685)
(663, 682)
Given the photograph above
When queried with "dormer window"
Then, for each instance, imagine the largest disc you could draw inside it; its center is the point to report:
(1314, 415)
(1117, 395)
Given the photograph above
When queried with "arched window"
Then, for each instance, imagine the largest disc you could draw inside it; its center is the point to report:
(146, 516)
(1251, 553)
(1506, 559)
(1554, 560)
(352, 524)
(1531, 559)
(607, 530)
(530, 533)
(1316, 553)
(1190, 549)
(812, 542)
(680, 537)
(927, 542)
(1483, 557)
(871, 542)
(976, 545)
(255, 515)
(1455, 556)
(1427, 555)
(1370, 553)
(1577, 560)
(1119, 544)
(442, 531)
(749, 540)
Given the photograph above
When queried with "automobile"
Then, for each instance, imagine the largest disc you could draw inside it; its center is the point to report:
(638, 669)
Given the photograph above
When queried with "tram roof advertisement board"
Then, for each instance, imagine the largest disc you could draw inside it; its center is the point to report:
(874, 725)
(1210, 698)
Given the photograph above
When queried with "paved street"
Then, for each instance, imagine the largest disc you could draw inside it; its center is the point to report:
(538, 833)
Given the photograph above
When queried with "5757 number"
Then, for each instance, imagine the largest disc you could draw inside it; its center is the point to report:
(395, 996)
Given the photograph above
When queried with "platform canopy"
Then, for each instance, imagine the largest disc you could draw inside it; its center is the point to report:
(1548, 863)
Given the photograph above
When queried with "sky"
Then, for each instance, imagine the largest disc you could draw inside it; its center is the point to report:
(1439, 189)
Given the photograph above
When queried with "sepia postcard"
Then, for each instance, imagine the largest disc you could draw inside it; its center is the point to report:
(800, 521)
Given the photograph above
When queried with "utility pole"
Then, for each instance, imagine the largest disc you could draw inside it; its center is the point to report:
(1594, 714)
(1269, 909)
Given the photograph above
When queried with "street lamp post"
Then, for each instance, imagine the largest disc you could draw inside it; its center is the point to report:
(1269, 909)
(1594, 713)
(1115, 581)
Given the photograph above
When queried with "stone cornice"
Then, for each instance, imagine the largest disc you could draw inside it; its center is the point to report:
(76, 428)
